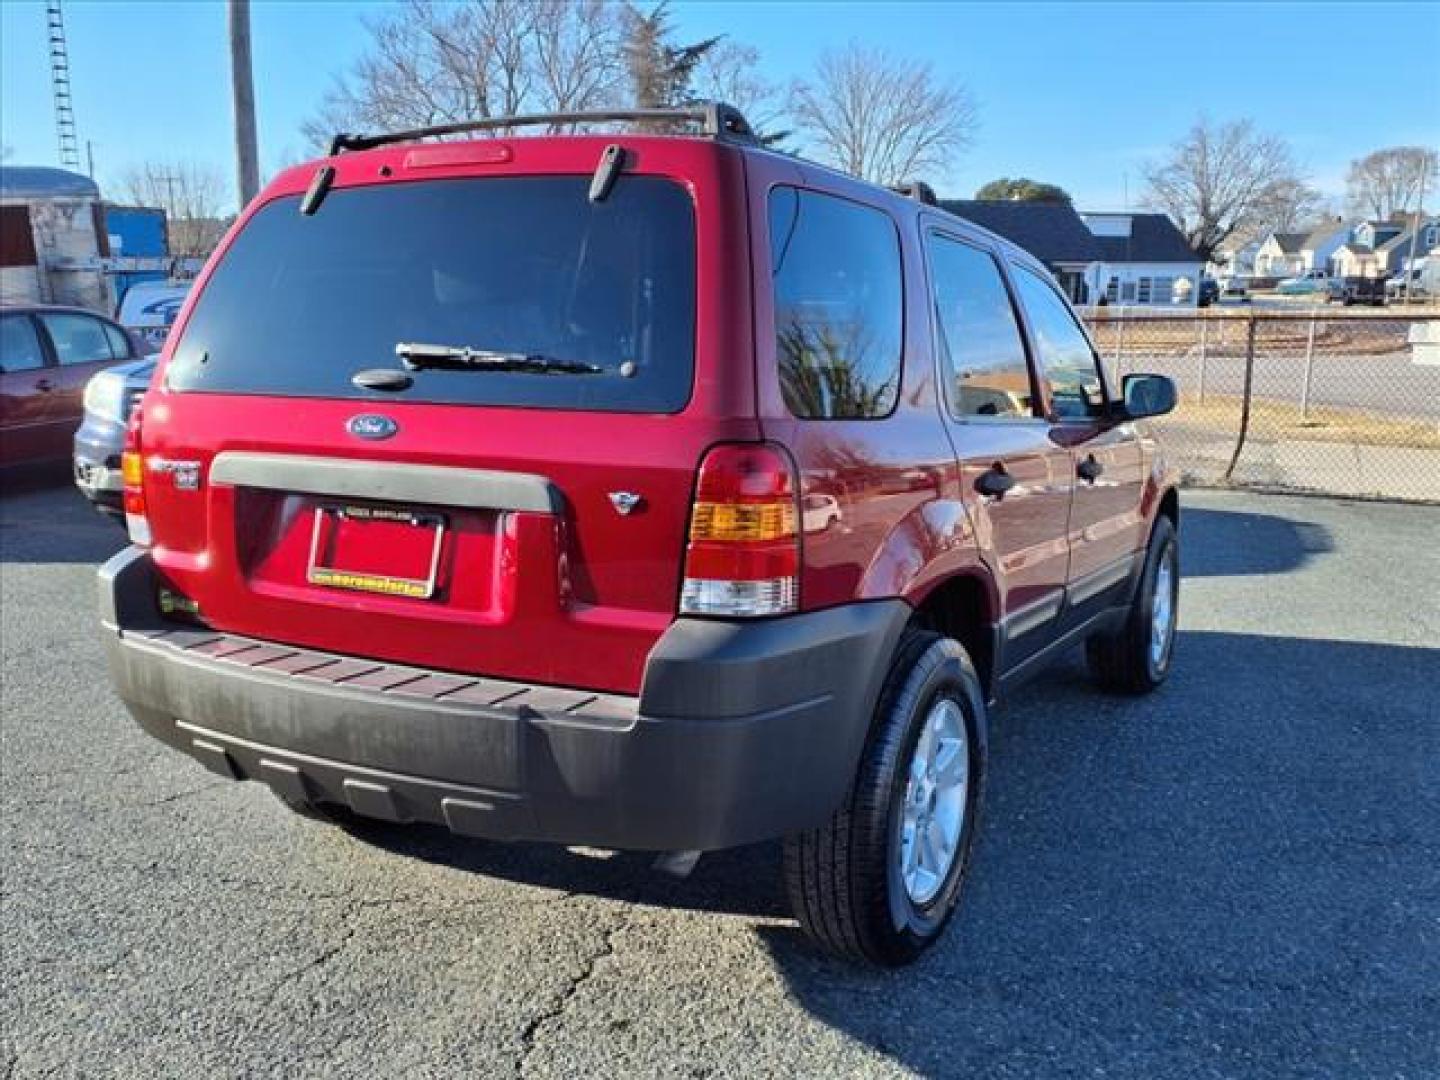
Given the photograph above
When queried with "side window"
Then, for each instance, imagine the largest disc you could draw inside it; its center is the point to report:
(19, 345)
(1067, 362)
(838, 310)
(78, 339)
(979, 336)
(119, 343)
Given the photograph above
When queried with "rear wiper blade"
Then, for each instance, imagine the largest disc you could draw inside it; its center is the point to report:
(418, 357)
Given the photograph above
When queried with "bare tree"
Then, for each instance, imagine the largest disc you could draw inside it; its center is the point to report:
(729, 72)
(881, 117)
(1389, 182)
(435, 63)
(192, 196)
(576, 45)
(1228, 179)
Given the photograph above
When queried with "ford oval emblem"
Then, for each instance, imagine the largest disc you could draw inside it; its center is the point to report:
(371, 426)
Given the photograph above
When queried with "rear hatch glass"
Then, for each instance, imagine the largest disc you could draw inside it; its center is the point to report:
(600, 294)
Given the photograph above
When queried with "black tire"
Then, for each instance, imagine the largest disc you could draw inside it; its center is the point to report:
(1124, 661)
(843, 879)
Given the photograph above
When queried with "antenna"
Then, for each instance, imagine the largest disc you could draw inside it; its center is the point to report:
(60, 87)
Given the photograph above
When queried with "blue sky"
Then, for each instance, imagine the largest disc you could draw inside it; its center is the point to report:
(1080, 95)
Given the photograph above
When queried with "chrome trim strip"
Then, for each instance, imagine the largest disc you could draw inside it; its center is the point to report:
(1097, 581)
(1032, 616)
(432, 485)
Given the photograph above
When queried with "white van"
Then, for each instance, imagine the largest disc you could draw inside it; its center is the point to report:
(148, 309)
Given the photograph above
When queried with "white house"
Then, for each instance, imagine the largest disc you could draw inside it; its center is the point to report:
(1234, 260)
(1359, 255)
(1317, 250)
(1113, 258)
(1280, 255)
(1143, 258)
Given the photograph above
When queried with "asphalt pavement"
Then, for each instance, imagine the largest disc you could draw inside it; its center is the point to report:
(1236, 877)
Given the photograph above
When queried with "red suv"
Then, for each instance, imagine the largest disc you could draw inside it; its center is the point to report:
(642, 491)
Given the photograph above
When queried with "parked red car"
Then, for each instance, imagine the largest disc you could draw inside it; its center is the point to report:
(47, 355)
(639, 491)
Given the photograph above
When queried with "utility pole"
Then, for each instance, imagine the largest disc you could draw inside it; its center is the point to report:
(242, 83)
(1415, 226)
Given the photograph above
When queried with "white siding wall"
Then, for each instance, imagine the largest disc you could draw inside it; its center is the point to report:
(63, 228)
(1142, 284)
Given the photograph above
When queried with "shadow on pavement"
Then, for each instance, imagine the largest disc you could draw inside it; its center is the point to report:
(1243, 865)
(740, 881)
(44, 519)
(1230, 543)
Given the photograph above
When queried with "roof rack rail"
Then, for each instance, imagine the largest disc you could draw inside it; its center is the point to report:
(918, 190)
(716, 120)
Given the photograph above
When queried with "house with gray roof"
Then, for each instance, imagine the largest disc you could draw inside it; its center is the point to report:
(1398, 253)
(1281, 255)
(1114, 258)
(1318, 250)
(1144, 259)
(1052, 232)
(1360, 255)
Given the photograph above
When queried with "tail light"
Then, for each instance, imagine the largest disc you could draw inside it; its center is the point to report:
(132, 472)
(744, 553)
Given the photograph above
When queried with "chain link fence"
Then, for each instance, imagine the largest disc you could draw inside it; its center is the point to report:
(1344, 404)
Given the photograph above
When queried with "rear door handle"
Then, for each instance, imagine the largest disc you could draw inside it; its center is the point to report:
(44, 384)
(994, 481)
(1089, 469)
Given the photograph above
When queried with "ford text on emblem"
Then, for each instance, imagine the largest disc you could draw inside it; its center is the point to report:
(371, 426)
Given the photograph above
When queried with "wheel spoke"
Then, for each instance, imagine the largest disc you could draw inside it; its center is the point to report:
(932, 850)
(950, 763)
(939, 844)
(911, 847)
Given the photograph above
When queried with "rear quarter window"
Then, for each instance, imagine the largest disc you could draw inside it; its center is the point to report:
(838, 305)
(524, 265)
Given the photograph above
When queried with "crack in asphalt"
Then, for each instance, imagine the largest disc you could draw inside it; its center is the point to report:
(529, 1035)
(267, 997)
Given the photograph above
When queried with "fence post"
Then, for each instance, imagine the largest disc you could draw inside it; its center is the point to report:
(1204, 343)
(1120, 347)
(1245, 399)
(1309, 370)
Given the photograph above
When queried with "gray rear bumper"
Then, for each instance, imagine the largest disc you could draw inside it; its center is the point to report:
(742, 731)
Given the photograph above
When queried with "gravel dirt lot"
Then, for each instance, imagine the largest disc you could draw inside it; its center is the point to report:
(1237, 877)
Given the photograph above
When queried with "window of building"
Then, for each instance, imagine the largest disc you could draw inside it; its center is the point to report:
(838, 305)
(1143, 295)
(17, 242)
(1068, 364)
(1164, 290)
(1112, 289)
(980, 340)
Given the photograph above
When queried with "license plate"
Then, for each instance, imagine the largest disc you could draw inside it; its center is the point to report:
(363, 548)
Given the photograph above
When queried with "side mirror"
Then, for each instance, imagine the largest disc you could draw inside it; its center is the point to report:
(1148, 395)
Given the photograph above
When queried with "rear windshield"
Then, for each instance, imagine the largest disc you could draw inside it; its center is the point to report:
(514, 265)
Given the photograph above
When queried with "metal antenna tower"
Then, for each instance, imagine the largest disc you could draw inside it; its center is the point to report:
(60, 87)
